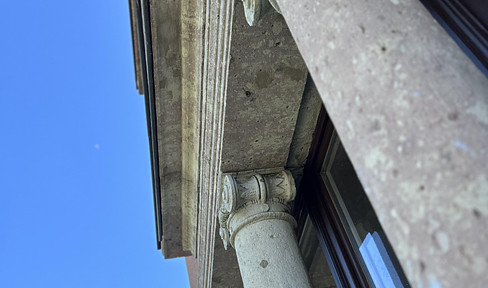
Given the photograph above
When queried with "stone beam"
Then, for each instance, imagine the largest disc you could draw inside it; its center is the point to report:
(412, 112)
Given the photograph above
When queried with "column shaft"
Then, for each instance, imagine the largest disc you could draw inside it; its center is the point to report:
(254, 218)
(268, 256)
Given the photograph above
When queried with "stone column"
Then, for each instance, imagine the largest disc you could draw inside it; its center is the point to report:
(254, 218)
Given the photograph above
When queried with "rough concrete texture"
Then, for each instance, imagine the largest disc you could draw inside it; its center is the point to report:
(305, 126)
(192, 27)
(412, 112)
(265, 86)
(268, 255)
(177, 61)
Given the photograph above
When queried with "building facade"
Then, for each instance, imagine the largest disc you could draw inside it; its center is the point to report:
(318, 143)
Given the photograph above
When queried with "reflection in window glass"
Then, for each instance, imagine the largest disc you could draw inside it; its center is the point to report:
(314, 258)
(359, 213)
(381, 269)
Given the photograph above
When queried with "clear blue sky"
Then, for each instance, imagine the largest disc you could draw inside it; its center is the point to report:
(75, 197)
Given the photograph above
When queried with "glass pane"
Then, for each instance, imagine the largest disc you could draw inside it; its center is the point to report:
(360, 220)
(314, 258)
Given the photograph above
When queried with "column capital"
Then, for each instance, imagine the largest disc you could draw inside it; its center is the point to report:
(255, 9)
(252, 198)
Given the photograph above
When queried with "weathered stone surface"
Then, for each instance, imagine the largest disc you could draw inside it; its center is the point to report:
(412, 112)
(177, 68)
(265, 86)
(268, 256)
(192, 27)
(250, 198)
(254, 218)
(305, 126)
(165, 24)
(218, 28)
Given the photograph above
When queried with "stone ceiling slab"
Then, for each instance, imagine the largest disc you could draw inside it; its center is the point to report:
(265, 86)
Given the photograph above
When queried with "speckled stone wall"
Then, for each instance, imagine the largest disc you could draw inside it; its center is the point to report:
(412, 112)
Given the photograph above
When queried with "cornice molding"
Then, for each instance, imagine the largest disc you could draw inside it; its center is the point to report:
(192, 28)
(216, 55)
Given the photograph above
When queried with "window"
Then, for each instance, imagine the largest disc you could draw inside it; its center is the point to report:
(314, 257)
(347, 231)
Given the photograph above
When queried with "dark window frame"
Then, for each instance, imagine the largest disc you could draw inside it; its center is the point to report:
(460, 20)
(315, 200)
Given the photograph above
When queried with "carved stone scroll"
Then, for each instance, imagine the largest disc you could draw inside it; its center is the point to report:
(246, 200)
(254, 218)
(255, 9)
